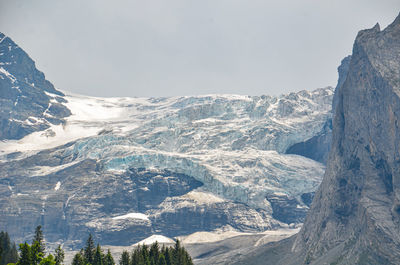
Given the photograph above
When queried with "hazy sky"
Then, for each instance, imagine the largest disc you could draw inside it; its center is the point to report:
(190, 47)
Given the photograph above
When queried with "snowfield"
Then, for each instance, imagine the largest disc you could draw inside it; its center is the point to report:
(132, 215)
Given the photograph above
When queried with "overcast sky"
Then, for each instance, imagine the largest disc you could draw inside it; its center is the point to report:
(189, 47)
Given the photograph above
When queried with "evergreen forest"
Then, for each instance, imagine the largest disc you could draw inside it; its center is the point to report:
(91, 254)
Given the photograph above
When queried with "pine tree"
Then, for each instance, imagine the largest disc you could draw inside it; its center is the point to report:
(25, 256)
(59, 259)
(78, 259)
(12, 256)
(161, 260)
(188, 259)
(9, 253)
(145, 254)
(137, 258)
(98, 256)
(36, 254)
(109, 260)
(49, 260)
(168, 256)
(125, 259)
(39, 238)
(176, 253)
(154, 252)
(89, 250)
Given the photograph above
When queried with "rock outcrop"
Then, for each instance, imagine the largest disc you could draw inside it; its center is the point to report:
(28, 101)
(355, 215)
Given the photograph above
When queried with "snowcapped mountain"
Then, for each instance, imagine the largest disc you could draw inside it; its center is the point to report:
(128, 168)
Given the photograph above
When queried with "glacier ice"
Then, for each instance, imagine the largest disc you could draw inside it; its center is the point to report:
(233, 144)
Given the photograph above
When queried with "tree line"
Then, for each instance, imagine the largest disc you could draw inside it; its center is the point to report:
(141, 255)
(91, 254)
(8, 250)
(34, 254)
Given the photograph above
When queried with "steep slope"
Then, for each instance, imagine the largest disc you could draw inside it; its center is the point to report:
(355, 215)
(28, 101)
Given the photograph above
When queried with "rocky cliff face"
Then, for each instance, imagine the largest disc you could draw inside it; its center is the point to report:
(355, 215)
(28, 101)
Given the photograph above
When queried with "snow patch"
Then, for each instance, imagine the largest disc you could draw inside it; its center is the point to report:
(46, 170)
(132, 215)
(156, 238)
(6, 73)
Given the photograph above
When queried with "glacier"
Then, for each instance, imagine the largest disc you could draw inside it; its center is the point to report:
(228, 152)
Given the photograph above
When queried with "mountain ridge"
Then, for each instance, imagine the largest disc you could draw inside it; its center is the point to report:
(29, 102)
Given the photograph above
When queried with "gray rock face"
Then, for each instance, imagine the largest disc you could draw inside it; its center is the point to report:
(25, 106)
(343, 69)
(317, 147)
(286, 209)
(355, 215)
(79, 197)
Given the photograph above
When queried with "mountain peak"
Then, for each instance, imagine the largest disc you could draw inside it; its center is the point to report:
(377, 27)
(25, 94)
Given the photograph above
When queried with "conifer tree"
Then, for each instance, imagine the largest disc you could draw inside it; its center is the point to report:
(161, 260)
(78, 259)
(25, 256)
(109, 260)
(9, 253)
(137, 258)
(40, 239)
(176, 252)
(89, 250)
(98, 256)
(188, 259)
(36, 254)
(154, 252)
(125, 259)
(49, 260)
(59, 258)
(168, 256)
(12, 256)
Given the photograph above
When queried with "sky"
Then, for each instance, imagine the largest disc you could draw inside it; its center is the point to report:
(156, 48)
